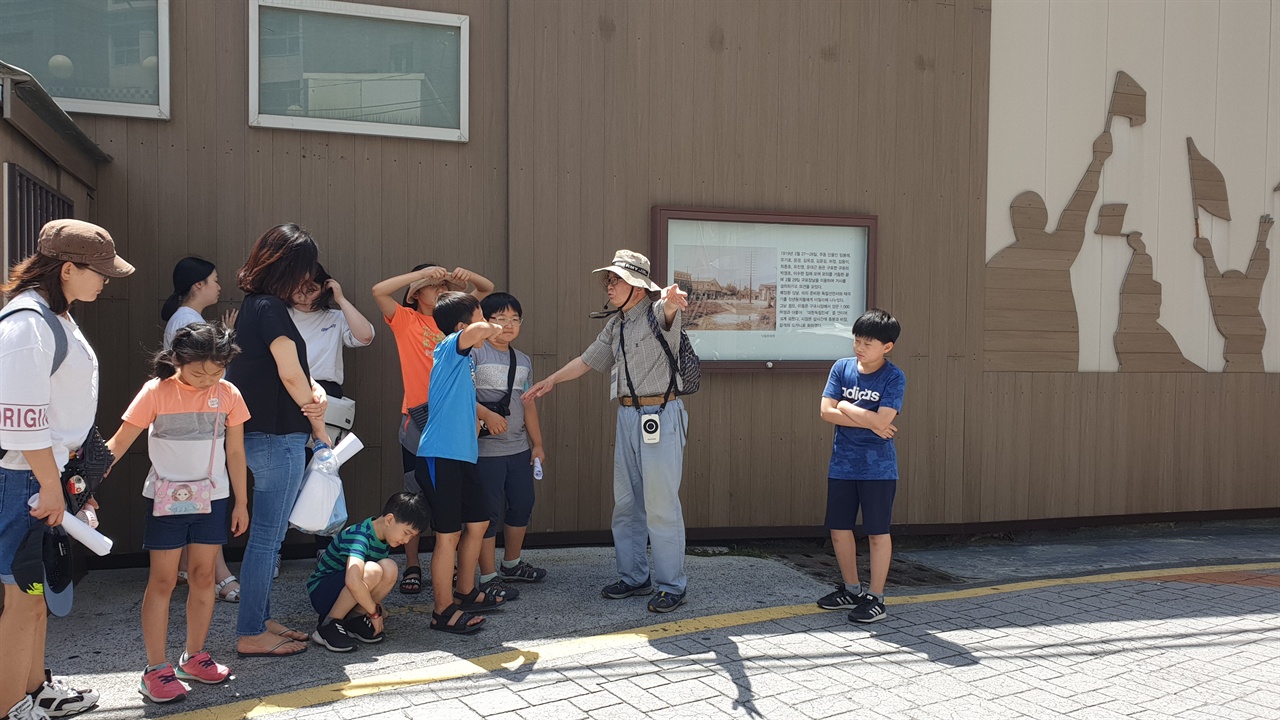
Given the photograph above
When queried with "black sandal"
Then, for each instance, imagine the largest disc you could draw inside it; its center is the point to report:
(462, 626)
(468, 601)
(411, 582)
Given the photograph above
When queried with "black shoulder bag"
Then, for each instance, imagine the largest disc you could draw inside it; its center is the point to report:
(503, 406)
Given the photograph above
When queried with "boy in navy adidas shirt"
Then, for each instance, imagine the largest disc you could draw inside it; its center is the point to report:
(863, 396)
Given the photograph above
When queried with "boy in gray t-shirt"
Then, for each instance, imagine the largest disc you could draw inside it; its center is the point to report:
(507, 454)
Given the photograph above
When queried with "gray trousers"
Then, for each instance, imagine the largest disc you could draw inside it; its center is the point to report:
(646, 498)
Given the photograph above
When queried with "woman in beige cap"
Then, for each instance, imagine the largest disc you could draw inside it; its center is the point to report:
(48, 400)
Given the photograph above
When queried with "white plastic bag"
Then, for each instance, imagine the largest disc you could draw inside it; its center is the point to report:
(321, 508)
(338, 516)
(321, 493)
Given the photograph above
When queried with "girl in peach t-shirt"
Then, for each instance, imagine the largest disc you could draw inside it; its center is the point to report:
(196, 438)
(416, 336)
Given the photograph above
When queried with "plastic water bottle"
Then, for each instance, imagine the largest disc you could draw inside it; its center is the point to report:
(537, 468)
(324, 459)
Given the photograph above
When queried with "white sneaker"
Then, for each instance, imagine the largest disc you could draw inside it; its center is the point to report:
(58, 699)
(26, 710)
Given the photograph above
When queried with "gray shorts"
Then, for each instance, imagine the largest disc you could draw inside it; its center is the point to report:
(410, 435)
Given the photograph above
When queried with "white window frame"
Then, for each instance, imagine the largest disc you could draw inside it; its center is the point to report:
(153, 112)
(257, 118)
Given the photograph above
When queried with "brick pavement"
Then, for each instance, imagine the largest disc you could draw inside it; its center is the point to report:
(1181, 645)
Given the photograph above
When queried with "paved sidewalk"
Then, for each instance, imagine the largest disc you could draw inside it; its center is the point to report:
(1144, 644)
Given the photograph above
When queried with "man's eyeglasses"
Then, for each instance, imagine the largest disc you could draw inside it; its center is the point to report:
(613, 280)
(505, 320)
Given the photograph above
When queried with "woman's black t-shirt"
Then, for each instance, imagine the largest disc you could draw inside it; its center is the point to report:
(263, 318)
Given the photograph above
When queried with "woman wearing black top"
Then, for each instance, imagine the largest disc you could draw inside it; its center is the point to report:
(287, 408)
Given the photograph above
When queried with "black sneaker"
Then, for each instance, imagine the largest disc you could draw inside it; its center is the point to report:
(333, 636)
(841, 599)
(360, 627)
(494, 588)
(522, 571)
(621, 589)
(868, 611)
(665, 602)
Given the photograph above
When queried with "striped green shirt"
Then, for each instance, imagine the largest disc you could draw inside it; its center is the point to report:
(358, 541)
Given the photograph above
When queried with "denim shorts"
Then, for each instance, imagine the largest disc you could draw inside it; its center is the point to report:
(16, 487)
(171, 532)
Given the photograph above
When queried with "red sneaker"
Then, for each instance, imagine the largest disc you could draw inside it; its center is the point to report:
(201, 668)
(162, 686)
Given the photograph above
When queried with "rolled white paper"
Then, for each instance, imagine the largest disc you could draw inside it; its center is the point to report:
(347, 449)
(97, 542)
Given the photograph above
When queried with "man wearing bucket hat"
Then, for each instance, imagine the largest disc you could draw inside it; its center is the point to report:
(48, 400)
(651, 427)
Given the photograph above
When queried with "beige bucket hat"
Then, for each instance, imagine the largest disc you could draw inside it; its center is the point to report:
(632, 267)
(417, 285)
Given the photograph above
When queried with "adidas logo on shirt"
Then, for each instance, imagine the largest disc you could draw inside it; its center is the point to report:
(854, 395)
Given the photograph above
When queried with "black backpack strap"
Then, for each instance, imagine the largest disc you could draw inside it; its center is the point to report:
(51, 318)
(671, 359)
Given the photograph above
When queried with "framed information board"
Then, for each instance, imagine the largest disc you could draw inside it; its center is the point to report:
(767, 290)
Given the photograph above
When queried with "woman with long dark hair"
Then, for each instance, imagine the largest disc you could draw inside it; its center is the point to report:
(196, 287)
(48, 400)
(287, 408)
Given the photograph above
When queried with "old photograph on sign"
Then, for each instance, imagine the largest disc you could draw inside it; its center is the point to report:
(729, 288)
(766, 290)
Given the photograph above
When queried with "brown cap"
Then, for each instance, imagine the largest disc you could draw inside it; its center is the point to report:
(84, 243)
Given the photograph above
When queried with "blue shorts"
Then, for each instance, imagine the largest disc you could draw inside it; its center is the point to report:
(172, 532)
(507, 479)
(16, 487)
(874, 497)
(327, 592)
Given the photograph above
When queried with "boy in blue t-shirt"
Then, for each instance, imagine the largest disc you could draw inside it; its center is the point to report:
(862, 398)
(354, 573)
(447, 455)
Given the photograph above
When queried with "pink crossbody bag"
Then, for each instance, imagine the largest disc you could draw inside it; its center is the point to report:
(189, 497)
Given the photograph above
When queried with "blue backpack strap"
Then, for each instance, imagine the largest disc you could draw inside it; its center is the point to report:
(59, 333)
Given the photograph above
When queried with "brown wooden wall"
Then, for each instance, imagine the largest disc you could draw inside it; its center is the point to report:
(206, 183)
(586, 114)
(846, 107)
(16, 148)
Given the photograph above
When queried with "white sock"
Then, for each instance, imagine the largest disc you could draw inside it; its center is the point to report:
(510, 563)
(486, 578)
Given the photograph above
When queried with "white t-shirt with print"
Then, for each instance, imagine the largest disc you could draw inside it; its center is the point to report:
(38, 410)
(182, 318)
(326, 332)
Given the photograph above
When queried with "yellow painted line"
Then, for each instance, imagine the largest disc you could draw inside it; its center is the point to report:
(308, 697)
